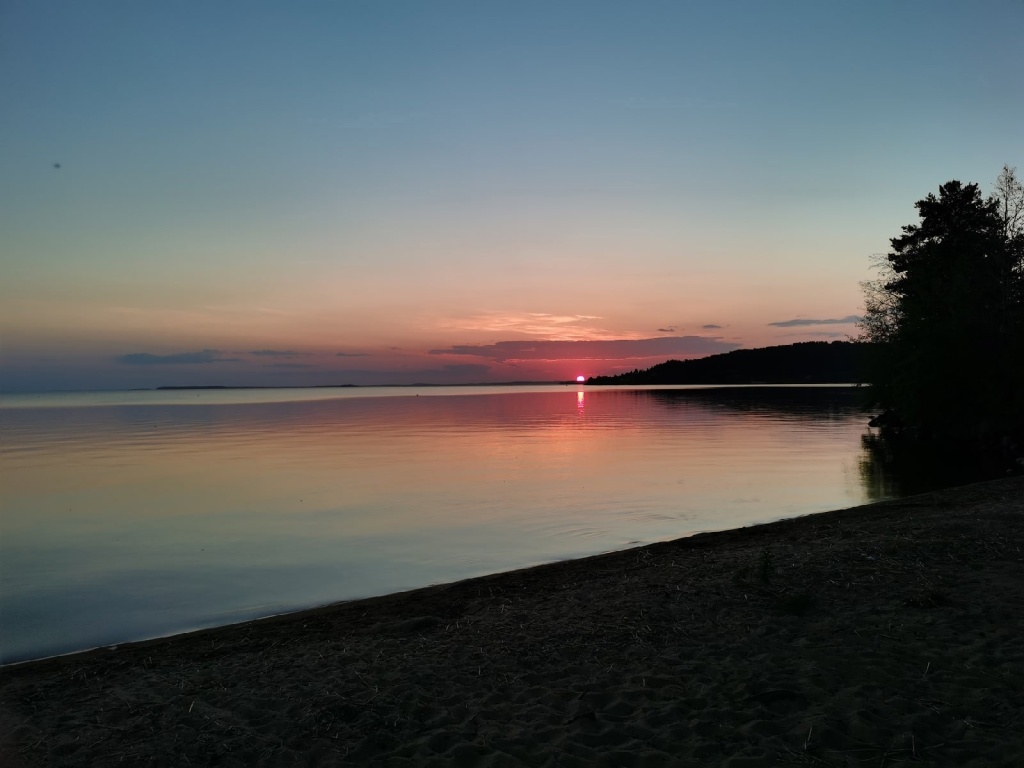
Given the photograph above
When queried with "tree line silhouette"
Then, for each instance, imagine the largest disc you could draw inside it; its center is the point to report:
(809, 362)
(946, 317)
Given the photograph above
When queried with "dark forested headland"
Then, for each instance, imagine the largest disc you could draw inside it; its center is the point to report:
(810, 362)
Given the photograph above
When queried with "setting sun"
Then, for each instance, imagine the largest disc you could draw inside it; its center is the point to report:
(581, 379)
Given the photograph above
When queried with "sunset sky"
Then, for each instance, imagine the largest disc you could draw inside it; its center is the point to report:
(260, 193)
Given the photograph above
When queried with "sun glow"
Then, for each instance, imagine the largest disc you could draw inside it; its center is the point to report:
(581, 379)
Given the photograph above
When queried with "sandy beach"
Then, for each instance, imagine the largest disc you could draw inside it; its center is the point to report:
(883, 635)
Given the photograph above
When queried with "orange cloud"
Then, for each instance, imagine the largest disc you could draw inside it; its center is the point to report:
(551, 326)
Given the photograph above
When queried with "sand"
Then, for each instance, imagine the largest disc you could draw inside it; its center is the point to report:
(884, 635)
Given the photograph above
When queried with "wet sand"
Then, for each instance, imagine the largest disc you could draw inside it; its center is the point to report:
(884, 635)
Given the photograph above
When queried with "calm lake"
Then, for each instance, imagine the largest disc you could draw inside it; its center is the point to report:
(137, 514)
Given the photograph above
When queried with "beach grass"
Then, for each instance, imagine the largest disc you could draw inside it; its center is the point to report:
(884, 635)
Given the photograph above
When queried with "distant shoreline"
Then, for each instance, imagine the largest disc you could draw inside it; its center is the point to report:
(366, 386)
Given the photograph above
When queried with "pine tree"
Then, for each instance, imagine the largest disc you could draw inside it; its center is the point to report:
(947, 318)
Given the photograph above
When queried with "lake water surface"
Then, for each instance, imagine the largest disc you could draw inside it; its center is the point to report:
(138, 514)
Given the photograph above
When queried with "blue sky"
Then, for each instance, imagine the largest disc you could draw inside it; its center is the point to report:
(392, 191)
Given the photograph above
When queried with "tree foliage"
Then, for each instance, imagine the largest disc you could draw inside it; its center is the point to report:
(947, 313)
(1009, 196)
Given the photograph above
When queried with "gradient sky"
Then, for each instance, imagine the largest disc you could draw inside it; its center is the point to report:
(390, 192)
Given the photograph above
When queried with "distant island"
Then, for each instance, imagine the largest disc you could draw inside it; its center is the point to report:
(809, 362)
(364, 386)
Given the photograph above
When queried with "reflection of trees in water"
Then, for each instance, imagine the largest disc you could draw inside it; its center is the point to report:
(891, 466)
(788, 401)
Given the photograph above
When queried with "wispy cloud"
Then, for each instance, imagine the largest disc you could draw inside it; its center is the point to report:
(278, 353)
(354, 354)
(603, 349)
(550, 326)
(849, 319)
(183, 358)
(290, 365)
(711, 327)
(670, 329)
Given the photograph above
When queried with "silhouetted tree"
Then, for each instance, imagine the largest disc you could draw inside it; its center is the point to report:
(947, 316)
(1008, 193)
